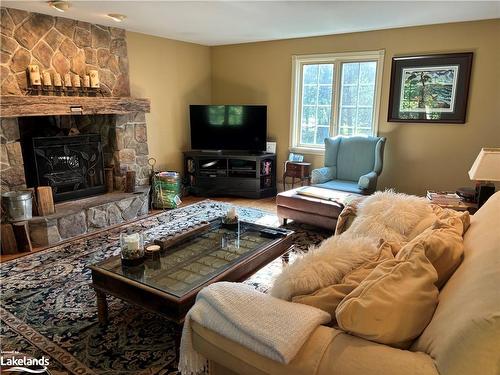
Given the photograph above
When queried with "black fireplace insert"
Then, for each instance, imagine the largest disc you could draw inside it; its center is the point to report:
(72, 165)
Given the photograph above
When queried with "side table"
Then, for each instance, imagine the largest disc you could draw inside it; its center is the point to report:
(299, 170)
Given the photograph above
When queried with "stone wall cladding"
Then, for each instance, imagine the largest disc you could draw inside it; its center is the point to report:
(11, 162)
(46, 231)
(60, 45)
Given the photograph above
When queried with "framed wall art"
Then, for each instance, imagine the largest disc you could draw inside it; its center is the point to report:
(430, 88)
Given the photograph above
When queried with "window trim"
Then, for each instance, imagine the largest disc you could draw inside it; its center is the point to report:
(336, 59)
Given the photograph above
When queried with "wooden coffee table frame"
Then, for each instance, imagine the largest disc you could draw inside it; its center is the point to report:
(171, 307)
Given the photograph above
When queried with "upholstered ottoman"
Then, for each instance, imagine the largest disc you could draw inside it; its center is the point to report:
(321, 207)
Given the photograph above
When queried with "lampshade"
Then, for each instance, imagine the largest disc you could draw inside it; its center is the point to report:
(486, 167)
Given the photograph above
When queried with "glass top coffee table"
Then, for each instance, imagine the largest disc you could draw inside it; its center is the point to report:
(168, 283)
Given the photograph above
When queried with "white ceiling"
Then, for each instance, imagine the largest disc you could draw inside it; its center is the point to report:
(227, 22)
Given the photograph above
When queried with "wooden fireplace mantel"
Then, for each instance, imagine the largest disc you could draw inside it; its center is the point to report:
(20, 106)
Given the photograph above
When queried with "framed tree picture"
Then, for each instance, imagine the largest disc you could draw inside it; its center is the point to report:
(430, 88)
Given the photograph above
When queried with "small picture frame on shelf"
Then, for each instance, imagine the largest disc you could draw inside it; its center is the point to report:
(271, 147)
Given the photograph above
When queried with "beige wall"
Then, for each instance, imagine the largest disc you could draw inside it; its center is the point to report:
(418, 156)
(173, 75)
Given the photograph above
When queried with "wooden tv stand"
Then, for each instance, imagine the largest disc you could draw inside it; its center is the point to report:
(230, 173)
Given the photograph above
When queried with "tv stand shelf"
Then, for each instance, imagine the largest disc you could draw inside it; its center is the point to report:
(239, 174)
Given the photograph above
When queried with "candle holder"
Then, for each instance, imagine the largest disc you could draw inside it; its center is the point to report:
(132, 249)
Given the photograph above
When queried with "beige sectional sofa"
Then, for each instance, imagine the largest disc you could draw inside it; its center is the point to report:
(463, 337)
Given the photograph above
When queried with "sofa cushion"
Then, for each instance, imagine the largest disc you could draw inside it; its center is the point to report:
(443, 245)
(464, 334)
(329, 297)
(394, 303)
(324, 265)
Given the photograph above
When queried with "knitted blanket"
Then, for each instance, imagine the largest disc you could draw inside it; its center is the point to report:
(269, 326)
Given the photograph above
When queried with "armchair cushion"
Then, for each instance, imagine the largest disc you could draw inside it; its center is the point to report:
(349, 186)
(356, 157)
(368, 181)
(324, 174)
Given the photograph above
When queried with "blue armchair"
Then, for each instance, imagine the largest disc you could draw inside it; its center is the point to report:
(352, 164)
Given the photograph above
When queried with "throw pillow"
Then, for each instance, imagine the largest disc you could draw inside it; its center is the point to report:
(443, 245)
(329, 297)
(323, 266)
(394, 303)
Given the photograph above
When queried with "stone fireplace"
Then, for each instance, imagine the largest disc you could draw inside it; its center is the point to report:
(118, 140)
(66, 142)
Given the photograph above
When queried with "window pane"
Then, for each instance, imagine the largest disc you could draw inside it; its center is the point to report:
(326, 73)
(309, 115)
(310, 94)
(349, 95)
(322, 133)
(324, 115)
(367, 72)
(366, 93)
(317, 80)
(350, 73)
(365, 117)
(347, 117)
(307, 135)
(346, 131)
(325, 95)
(310, 74)
(357, 98)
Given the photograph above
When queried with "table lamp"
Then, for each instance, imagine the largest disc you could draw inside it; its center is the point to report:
(484, 171)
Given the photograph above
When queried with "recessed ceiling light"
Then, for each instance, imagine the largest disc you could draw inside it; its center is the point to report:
(60, 5)
(117, 17)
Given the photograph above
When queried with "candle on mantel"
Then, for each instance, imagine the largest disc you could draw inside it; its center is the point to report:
(46, 79)
(67, 80)
(76, 81)
(94, 79)
(57, 80)
(86, 81)
(34, 72)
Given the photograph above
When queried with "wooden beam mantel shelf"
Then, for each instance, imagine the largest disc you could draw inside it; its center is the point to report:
(20, 106)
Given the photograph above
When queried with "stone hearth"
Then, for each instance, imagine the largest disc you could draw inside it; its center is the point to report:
(82, 216)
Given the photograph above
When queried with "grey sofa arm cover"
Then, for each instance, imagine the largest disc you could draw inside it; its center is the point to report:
(321, 175)
(368, 181)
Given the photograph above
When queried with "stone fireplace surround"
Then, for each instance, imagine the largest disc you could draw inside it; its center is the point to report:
(61, 45)
(124, 140)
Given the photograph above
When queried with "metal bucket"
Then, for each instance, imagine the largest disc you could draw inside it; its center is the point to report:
(17, 205)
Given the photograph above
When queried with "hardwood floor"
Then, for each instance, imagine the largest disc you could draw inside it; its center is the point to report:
(266, 204)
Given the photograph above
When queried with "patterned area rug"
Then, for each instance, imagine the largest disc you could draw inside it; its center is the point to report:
(48, 307)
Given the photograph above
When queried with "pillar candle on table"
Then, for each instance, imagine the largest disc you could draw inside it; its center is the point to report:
(94, 79)
(34, 73)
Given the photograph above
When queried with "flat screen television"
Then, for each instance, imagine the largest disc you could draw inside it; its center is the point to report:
(228, 127)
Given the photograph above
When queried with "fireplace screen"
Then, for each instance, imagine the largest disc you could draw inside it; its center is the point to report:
(71, 165)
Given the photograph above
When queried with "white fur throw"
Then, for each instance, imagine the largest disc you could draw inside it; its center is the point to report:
(384, 215)
(324, 265)
(389, 216)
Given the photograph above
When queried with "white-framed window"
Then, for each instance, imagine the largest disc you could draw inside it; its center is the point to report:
(334, 94)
